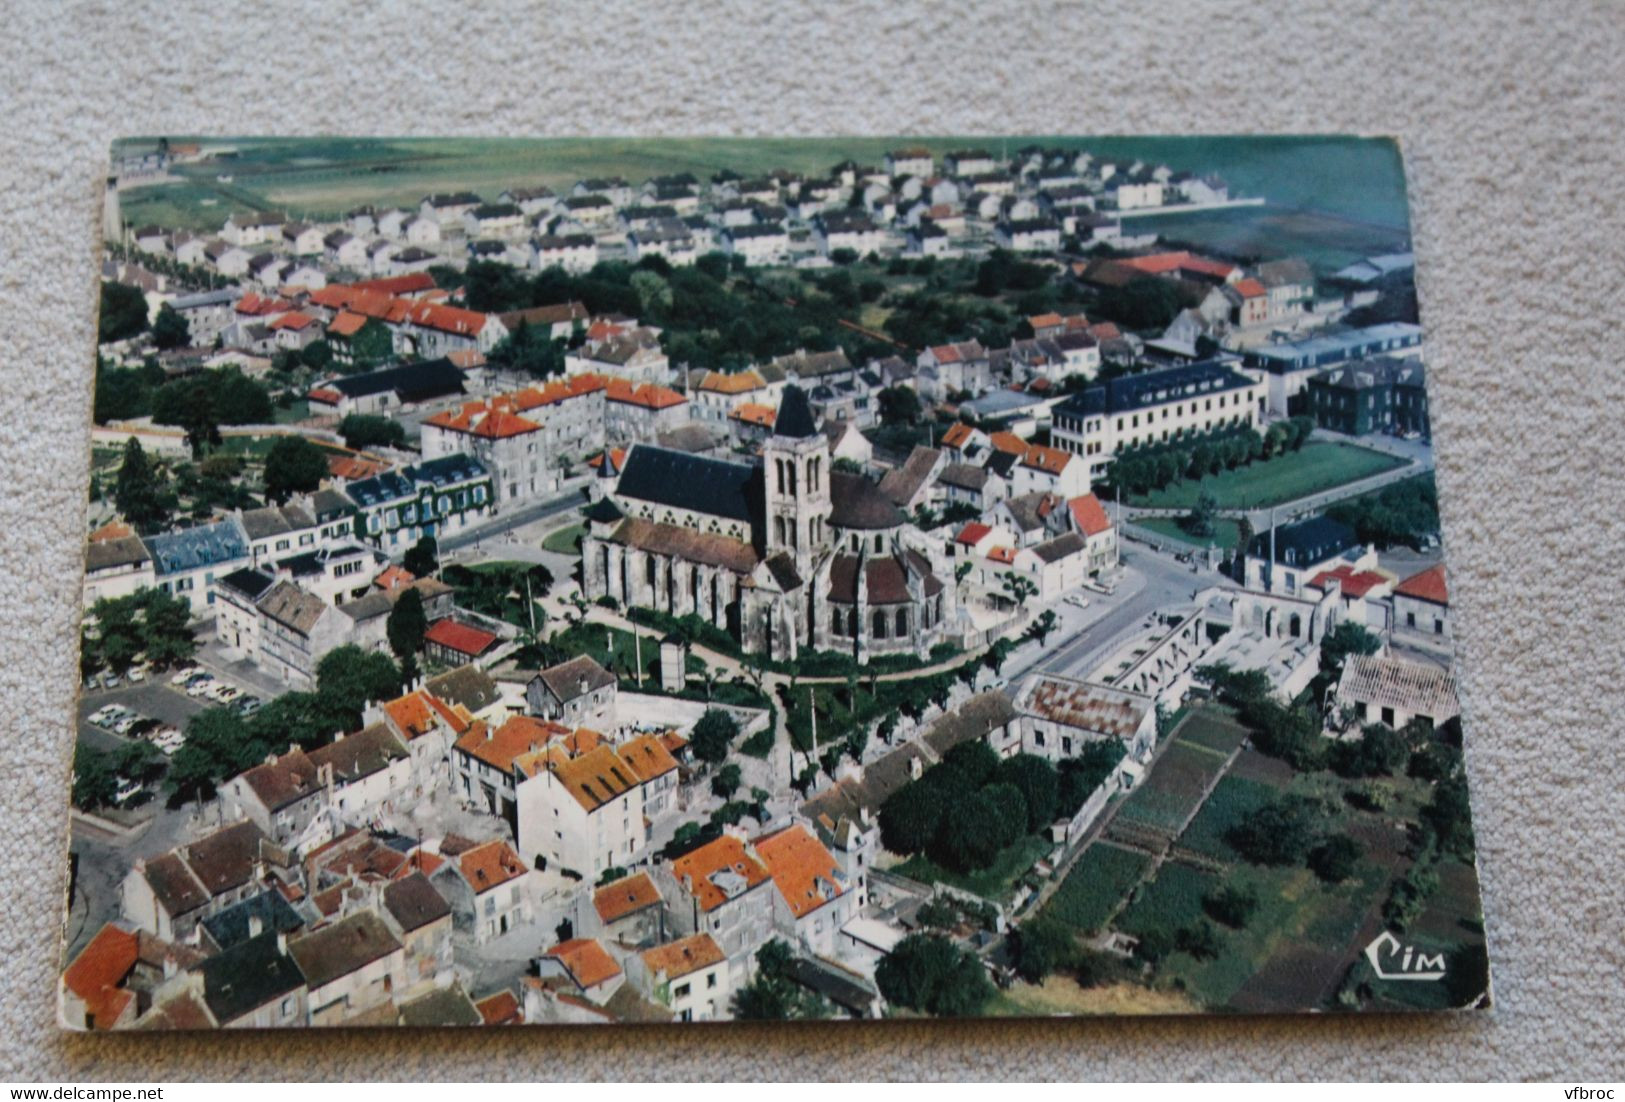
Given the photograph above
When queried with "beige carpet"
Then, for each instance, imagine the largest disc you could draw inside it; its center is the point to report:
(1511, 116)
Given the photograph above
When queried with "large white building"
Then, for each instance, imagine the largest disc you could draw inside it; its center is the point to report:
(1154, 408)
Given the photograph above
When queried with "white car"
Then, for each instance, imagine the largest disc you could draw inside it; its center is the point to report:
(104, 715)
(181, 677)
(225, 694)
(136, 674)
(201, 686)
(122, 727)
(171, 742)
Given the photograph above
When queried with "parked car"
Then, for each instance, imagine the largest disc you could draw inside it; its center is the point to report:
(200, 686)
(181, 677)
(171, 742)
(224, 694)
(110, 681)
(123, 725)
(246, 706)
(105, 714)
(136, 674)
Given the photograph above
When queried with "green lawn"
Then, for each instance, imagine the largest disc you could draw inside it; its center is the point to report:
(297, 410)
(994, 882)
(1318, 466)
(1226, 533)
(566, 540)
(1096, 884)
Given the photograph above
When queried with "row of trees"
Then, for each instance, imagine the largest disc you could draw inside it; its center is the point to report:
(1139, 470)
(148, 623)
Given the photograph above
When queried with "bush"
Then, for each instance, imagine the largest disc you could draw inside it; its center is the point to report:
(759, 745)
(1280, 833)
(928, 973)
(1335, 859)
(1042, 946)
(1232, 906)
(713, 735)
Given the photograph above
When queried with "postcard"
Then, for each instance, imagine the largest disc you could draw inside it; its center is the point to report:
(688, 580)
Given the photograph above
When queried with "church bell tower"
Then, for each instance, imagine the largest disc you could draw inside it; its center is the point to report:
(795, 469)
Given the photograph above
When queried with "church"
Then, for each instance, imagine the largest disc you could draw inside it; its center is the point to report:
(786, 554)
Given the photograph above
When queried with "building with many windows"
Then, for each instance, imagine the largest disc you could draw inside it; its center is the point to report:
(1155, 407)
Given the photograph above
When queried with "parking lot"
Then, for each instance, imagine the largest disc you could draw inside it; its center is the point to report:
(154, 698)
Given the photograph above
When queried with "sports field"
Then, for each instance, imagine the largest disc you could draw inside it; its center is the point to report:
(1318, 466)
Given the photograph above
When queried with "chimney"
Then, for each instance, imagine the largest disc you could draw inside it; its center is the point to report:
(255, 926)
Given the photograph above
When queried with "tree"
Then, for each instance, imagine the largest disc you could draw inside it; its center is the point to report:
(929, 973)
(1200, 940)
(899, 405)
(1200, 521)
(407, 624)
(361, 430)
(1279, 833)
(420, 559)
(166, 628)
(973, 835)
(713, 736)
(199, 419)
(727, 781)
(1450, 819)
(1343, 640)
(169, 329)
(773, 995)
(1335, 859)
(349, 678)
(95, 779)
(293, 466)
(372, 346)
(136, 491)
(1039, 785)
(1231, 905)
(1148, 302)
(530, 350)
(910, 816)
(1379, 752)
(1042, 946)
(123, 312)
(1018, 586)
(1041, 628)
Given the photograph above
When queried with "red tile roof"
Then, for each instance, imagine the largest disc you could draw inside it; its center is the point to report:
(683, 958)
(518, 736)
(957, 435)
(97, 972)
(1049, 460)
(490, 865)
(347, 324)
(801, 868)
(1249, 288)
(294, 321)
(411, 283)
(1003, 554)
(755, 414)
(972, 534)
(616, 900)
(1355, 583)
(462, 638)
(500, 1009)
(1008, 442)
(725, 854)
(586, 961)
(1429, 585)
(647, 395)
(1089, 515)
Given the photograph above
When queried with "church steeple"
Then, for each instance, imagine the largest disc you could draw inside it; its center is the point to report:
(796, 473)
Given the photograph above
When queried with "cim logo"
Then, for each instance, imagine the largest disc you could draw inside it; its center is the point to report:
(1393, 961)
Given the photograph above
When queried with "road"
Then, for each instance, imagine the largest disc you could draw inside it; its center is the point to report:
(518, 518)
